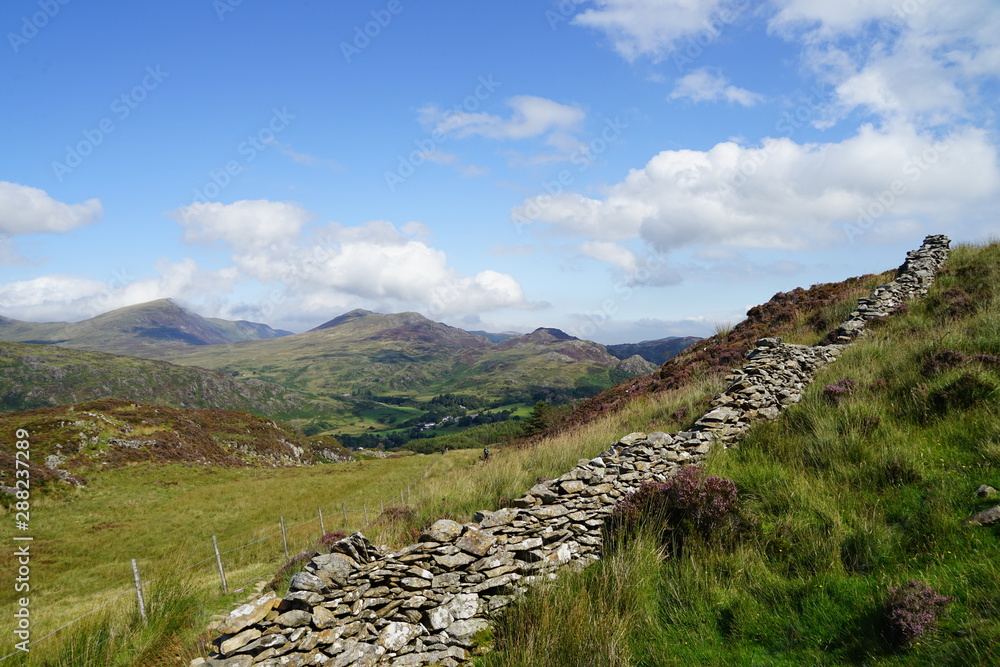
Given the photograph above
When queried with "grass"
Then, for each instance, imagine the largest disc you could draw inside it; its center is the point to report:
(165, 516)
(853, 494)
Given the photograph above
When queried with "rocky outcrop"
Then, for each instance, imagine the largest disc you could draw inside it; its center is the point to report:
(424, 604)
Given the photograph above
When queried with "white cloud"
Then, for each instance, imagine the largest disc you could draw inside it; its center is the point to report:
(612, 253)
(784, 194)
(61, 297)
(555, 124)
(243, 224)
(27, 210)
(373, 262)
(706, 85)
(532, 117)
(923, 61)
(655, 27)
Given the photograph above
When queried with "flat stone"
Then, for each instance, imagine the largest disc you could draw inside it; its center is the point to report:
(294, 619)
(476, 542)
(323, 618)
(235, 661)
(464, 630)
(414, 583)
(248, 614)
(238, 641)
(543, 493)
(396, 635)
(442, 530)
(632, 438)
(452, 562)
(987, 517)
(573, 486)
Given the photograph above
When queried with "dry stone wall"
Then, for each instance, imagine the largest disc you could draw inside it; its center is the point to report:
(425, 603)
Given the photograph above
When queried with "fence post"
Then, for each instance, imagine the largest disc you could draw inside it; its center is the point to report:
(218, 561)
(138, 591)
(402, 503)
(343, 507)
(284, 539)
(366, 514)
(322, 528)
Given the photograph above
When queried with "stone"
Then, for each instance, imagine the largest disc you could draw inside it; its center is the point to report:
(303, 581)
(294, 618)
(464, 605)
(323, 618)
(414, 583)
(543, 493)
(397, 635)
(335, 567)
(248, 614)
(238, 641)
(452, 562)
(573, 486)
(235, 661)
(987, 517)
(985, 491)
(464, 630)
(442, 530)
(476, 542)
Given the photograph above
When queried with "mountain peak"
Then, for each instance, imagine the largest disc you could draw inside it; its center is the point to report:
(355, 314)
(550, 333)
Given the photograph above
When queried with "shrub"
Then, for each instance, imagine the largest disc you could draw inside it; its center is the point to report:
(689, 503)
(328, 540)
(911, 611)
(279, 583)
(837, 391)
(962, 393)
(942, 361)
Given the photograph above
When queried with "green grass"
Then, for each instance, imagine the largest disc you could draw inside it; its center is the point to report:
(851, 497)
(165, 516)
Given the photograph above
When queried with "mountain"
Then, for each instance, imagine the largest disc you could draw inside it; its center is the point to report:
(36, 376)
(143, 330)
(361, 352)
(655, 351)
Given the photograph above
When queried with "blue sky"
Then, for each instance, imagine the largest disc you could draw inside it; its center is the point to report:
(620, 169)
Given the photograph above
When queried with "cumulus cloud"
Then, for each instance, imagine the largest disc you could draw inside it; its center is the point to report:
(707, 85)
(923, 60)
(784, 194)
(654, 27)
(243, 224)
(62, 297)
(27, 210)
(374, 262)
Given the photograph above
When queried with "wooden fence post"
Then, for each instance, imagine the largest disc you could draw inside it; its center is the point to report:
(284, 539)
(366, 514)
(138, 591)
(322, 528)
(347, 522)
(218, 562)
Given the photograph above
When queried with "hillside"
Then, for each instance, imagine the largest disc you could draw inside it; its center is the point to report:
(75, 440)
(803, 316)
(36, 376)
(364, 353)
(143, 330)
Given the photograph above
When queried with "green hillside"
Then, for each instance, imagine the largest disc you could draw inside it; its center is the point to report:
(36, 376)
(364, 353)
(862, 487)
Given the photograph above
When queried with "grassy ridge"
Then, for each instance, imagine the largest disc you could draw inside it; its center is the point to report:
(861, 487)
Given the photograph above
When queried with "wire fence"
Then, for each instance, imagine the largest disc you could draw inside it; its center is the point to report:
(339, 518)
